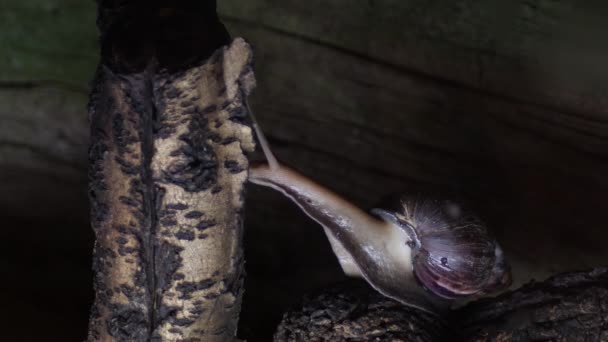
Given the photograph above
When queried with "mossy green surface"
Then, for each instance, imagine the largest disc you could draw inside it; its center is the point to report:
(48, 41)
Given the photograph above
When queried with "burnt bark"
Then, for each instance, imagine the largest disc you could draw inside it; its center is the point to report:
(167, 174)
(353, 312)
(566, 307)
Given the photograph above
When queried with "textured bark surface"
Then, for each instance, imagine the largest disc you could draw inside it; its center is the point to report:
(353, 312)
(566, 307)
(167, 176)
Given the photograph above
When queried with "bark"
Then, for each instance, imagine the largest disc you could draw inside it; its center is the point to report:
(167, 174)
(353, 312)
(566, 307)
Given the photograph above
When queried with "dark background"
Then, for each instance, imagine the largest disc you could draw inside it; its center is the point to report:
(502, 101)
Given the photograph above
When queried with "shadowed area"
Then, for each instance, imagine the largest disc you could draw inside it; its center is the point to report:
(503, 102)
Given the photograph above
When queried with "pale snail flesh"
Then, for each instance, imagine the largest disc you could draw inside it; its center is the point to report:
(423, 253)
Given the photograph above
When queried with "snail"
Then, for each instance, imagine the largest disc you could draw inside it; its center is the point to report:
(424, 252)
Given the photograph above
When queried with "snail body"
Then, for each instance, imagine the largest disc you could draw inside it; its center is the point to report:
(366, 246)
(422, 252)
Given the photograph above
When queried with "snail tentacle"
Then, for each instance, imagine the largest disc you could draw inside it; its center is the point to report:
(270, 158)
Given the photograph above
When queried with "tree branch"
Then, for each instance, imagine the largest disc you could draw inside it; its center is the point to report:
(167, 174)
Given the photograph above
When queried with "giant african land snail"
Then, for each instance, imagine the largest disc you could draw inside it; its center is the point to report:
(424, 253)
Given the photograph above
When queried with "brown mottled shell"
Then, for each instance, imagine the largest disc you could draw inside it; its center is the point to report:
(453, 254)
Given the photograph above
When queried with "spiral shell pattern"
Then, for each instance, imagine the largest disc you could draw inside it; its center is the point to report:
(453, 254)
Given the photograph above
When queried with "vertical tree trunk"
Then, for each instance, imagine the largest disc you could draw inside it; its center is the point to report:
(167, 169)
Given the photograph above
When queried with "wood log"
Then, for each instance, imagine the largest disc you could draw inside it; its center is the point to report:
(167, 174)
(352, 312)
(566, 307)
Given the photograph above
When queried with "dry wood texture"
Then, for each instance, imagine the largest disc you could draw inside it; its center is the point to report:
(354, 312)
(567, 307)
(167, 175)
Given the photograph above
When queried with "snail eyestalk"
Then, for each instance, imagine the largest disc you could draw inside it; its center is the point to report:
(270, 158)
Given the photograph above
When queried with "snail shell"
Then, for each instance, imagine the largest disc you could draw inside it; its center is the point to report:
(452, 253)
